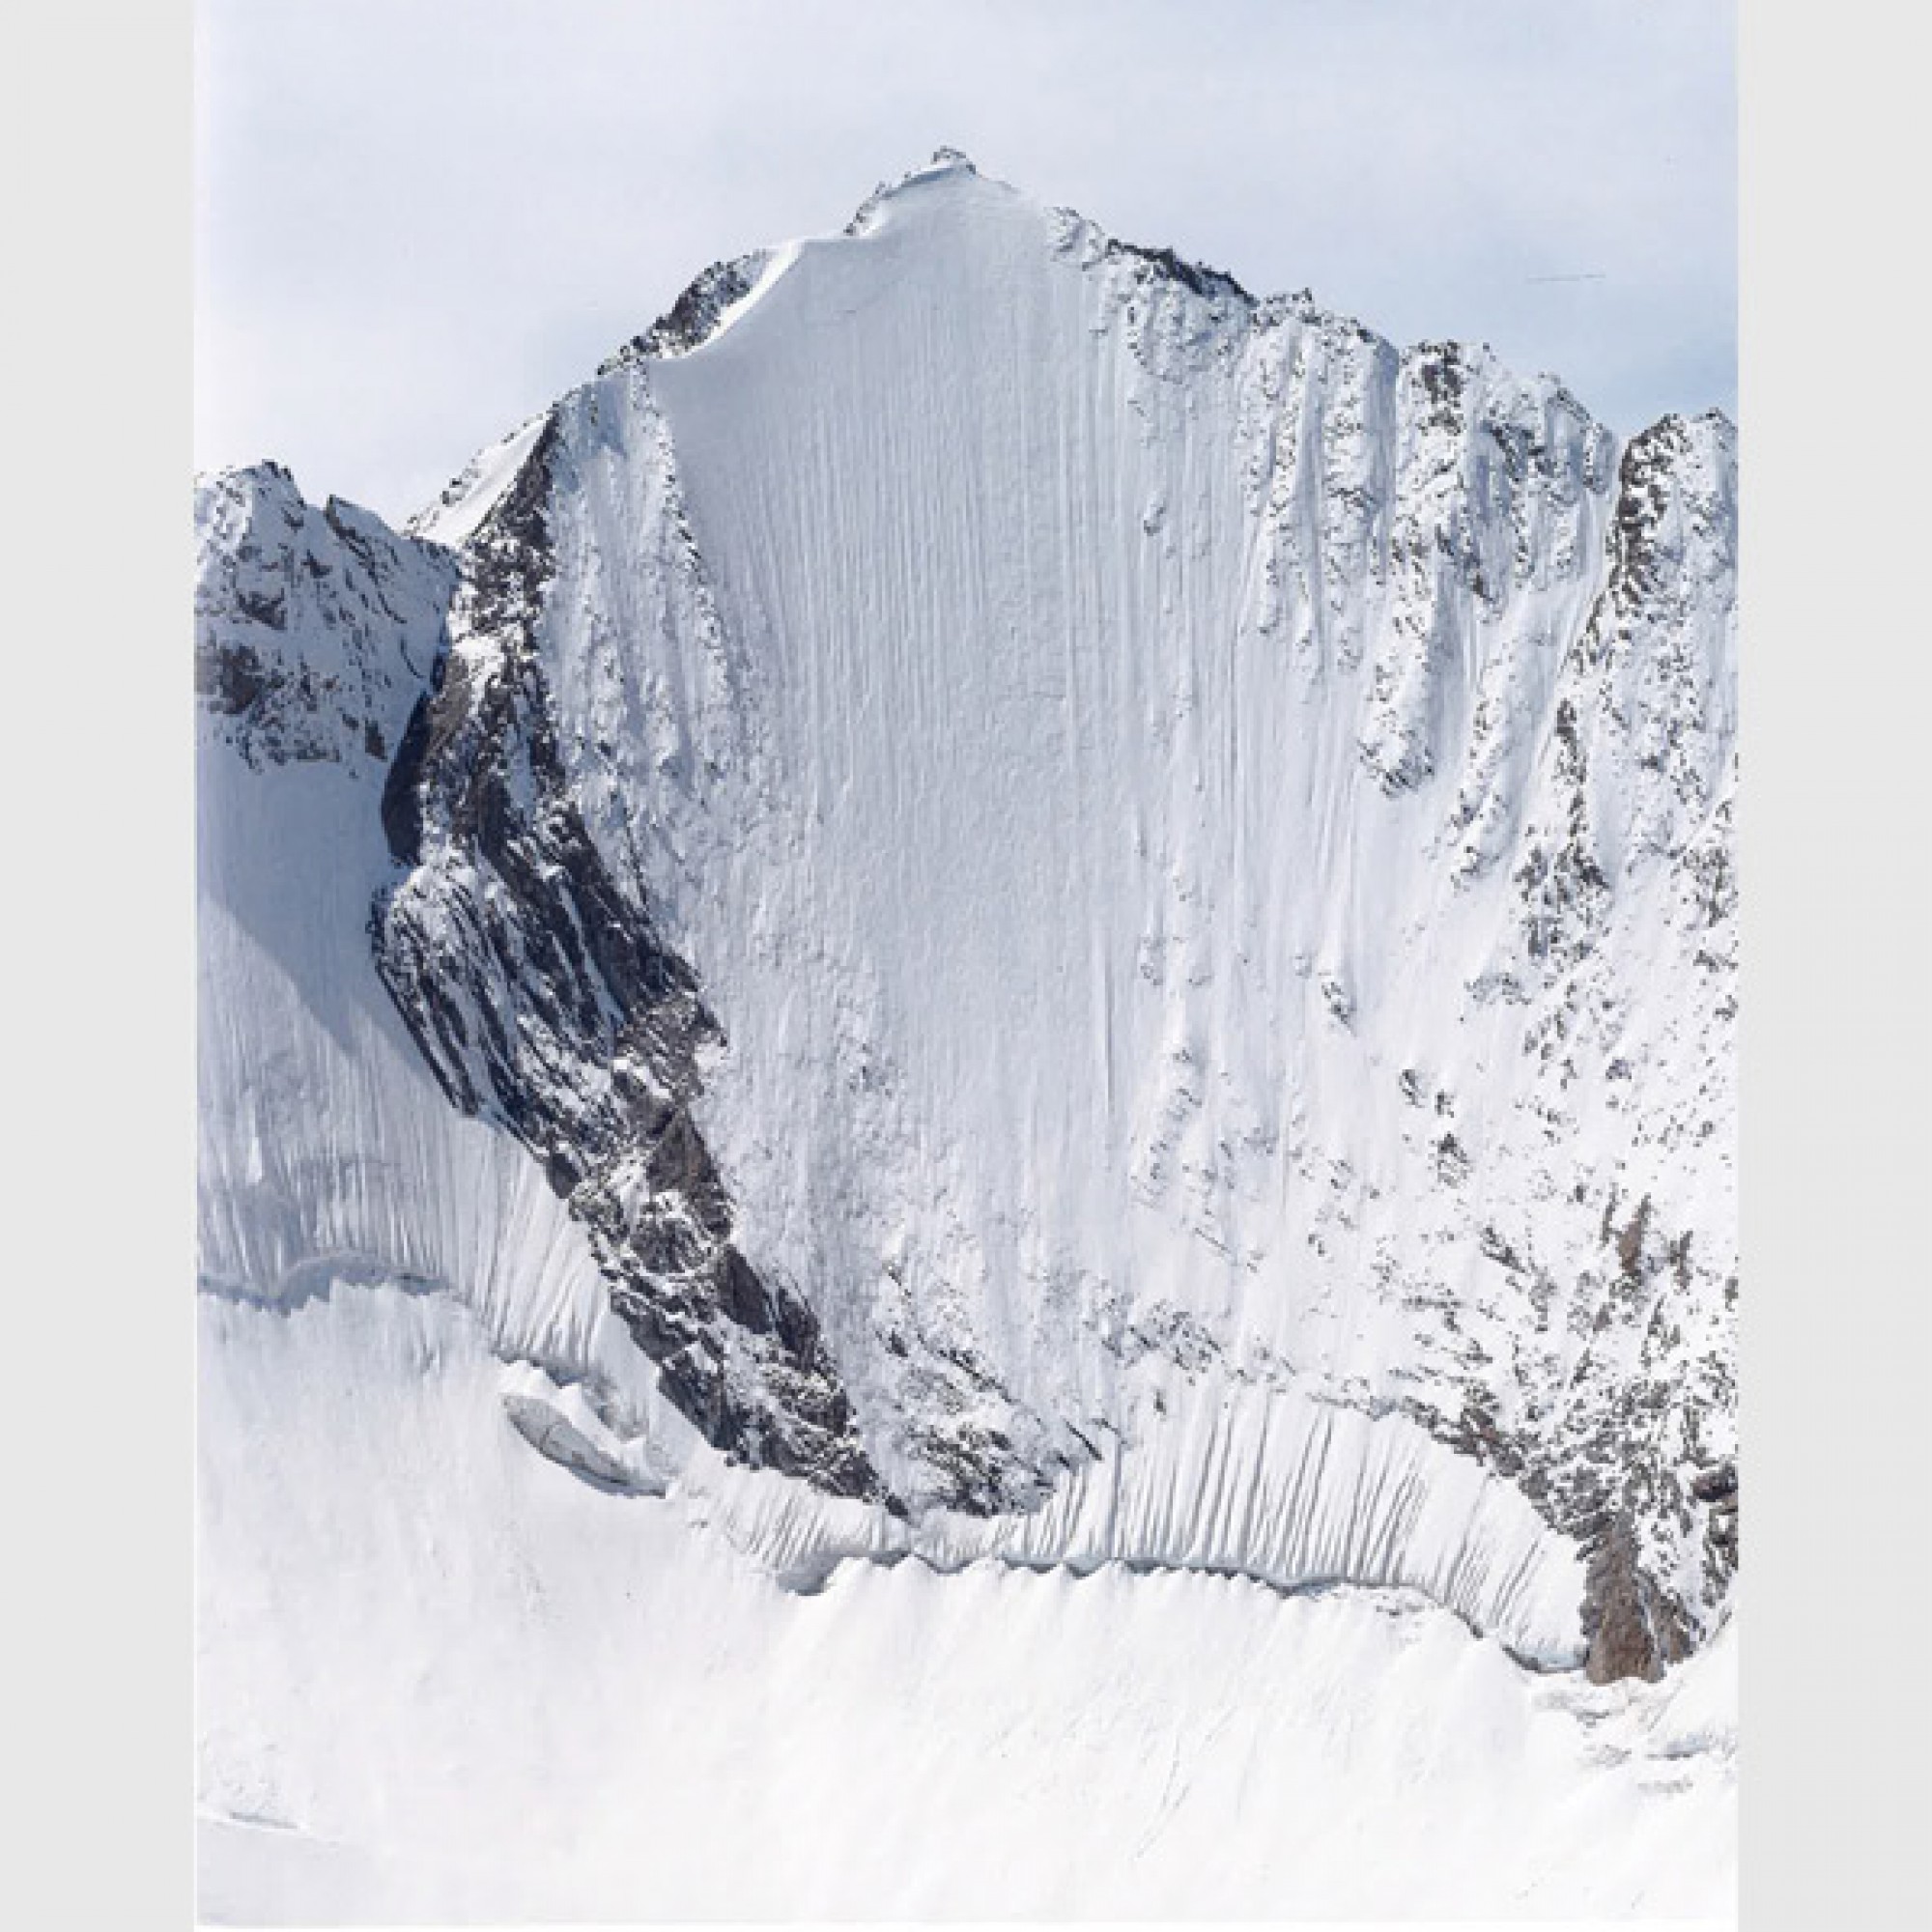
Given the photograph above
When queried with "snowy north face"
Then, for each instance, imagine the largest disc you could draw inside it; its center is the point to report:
(992, 904)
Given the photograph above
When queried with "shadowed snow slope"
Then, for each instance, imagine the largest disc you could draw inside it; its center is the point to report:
(992, 903)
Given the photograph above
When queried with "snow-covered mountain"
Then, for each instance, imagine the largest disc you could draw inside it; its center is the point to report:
(993, 901)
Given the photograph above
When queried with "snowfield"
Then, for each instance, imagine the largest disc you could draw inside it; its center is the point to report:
(445, 1678)
(967, 1113)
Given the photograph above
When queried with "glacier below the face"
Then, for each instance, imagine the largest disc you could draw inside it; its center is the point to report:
(995, 905)
(441, 1678)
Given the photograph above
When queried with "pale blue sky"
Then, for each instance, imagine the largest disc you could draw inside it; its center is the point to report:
(420, 219)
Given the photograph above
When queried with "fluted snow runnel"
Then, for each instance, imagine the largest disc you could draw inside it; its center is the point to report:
(1263, 1484)
(1206, 839)
(1111, 752)
(328, 1156)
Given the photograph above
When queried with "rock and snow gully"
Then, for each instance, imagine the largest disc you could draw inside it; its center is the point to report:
(995, 902)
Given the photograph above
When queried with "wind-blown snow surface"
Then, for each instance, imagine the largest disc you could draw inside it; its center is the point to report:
(1078, 925)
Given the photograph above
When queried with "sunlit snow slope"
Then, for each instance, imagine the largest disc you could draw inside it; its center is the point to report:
(441, 1678)
(993, 901)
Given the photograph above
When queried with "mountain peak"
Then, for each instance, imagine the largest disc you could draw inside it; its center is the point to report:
(950, 169)
(944, 164)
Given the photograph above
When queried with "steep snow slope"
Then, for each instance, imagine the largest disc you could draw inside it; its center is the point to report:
(1202, 843)
(327, 1153)
(987, 903)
